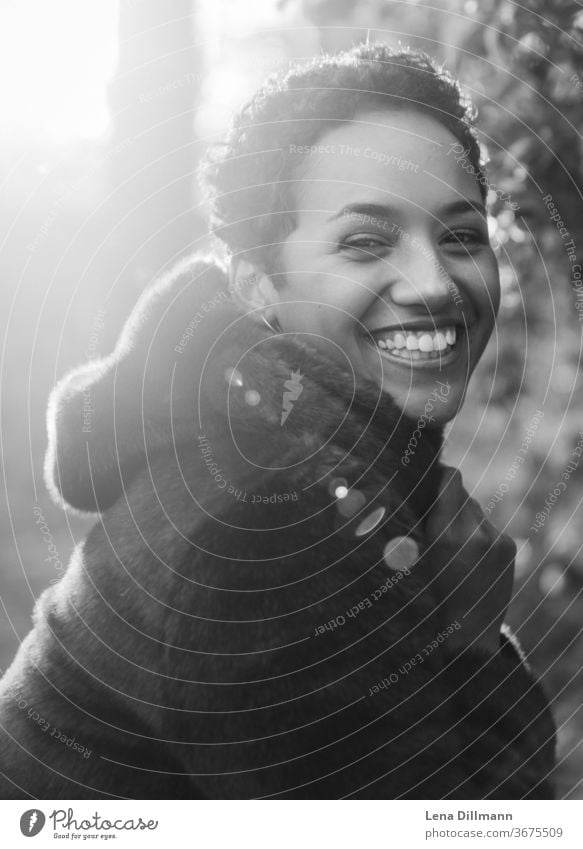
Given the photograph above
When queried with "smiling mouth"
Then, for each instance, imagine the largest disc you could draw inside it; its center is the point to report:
(437, 346)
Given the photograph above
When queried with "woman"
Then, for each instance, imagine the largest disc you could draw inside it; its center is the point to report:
(286, 595)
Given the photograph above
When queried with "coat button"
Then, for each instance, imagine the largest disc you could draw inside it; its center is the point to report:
(401, 553)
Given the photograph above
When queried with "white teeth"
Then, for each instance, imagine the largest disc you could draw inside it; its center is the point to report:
(416, 345)
(426, 343)
(440, 343)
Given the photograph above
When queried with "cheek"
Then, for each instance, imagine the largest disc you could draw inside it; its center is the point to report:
(324, 301)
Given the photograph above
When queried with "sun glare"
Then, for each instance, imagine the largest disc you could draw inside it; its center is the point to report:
(57, 57)
(55, 61)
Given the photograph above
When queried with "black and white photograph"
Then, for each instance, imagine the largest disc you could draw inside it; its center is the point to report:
(291, 419)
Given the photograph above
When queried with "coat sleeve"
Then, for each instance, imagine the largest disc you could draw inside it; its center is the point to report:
(505, 721)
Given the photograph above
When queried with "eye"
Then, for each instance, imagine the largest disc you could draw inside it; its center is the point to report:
(466, 237)
(365, 244)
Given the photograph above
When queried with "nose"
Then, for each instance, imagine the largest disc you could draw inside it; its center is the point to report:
(423, 280)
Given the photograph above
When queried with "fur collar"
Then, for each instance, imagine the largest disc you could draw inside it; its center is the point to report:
(189, 364)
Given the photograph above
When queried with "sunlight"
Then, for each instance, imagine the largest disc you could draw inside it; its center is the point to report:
(55, 61)
(240, 50)
(57, 58)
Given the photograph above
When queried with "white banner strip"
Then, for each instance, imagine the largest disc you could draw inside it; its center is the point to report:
(293, 825)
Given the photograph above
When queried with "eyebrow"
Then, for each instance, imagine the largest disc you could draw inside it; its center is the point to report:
(389, 213)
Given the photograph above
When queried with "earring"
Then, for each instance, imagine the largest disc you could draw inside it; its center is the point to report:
(276, 329)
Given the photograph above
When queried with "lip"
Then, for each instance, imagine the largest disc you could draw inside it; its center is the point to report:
(420, 325)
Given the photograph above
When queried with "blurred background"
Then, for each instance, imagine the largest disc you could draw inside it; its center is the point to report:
(106, 110)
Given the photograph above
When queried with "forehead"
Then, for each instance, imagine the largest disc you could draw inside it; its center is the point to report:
(404, 155)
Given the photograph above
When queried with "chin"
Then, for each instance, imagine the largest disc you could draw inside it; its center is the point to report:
(435, 407)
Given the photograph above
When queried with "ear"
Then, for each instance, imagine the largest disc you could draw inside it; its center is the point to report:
(252, 288)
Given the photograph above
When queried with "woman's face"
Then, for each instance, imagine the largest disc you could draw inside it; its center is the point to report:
(390, 264)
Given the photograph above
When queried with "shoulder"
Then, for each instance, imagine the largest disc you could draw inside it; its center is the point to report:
(99, 411)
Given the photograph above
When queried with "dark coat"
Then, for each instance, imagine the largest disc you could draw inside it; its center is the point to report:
(230, 628)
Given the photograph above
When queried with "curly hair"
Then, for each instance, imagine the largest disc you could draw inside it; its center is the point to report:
(247, 176)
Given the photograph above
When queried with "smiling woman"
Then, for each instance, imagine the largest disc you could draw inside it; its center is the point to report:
(407, 282)
(287, 594)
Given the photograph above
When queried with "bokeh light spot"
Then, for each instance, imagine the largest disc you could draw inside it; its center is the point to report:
(400, 553)
(233, 377)
(252, 397)
(351, 503)
(371, 521)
